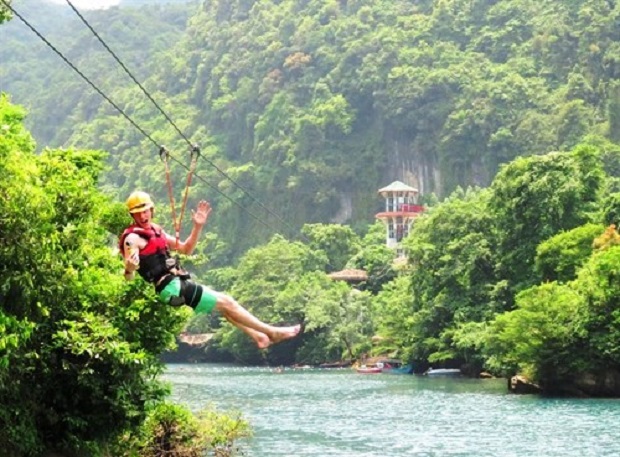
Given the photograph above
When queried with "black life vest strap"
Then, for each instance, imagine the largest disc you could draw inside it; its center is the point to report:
(153, 267)
(168, 279)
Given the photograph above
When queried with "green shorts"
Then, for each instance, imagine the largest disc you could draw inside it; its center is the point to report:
(179, 292)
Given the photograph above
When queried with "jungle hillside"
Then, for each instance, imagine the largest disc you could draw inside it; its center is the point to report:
(503, 114)
(312, 106)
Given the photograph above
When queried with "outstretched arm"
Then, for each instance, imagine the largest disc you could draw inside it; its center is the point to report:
(199, 217)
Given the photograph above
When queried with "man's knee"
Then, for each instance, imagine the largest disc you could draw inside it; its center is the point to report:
(225, 302)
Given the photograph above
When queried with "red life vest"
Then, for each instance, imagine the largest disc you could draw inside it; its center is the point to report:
(154, 257)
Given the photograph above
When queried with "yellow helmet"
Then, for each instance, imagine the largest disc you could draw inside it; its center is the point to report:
(139, 201)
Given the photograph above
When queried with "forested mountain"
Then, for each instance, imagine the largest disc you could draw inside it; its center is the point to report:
(56, 97)
(311, 105)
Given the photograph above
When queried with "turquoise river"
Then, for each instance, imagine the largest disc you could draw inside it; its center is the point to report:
(314, 412)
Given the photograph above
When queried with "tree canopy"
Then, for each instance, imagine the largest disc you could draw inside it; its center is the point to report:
(507, 111)
(312, 106)
(79, 348)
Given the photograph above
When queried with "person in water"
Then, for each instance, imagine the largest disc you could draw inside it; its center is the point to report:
(145, 248)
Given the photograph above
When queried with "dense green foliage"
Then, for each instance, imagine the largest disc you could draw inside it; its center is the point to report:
(375, 258)
(538, 197)
(452, 253)
(561, 331)
(509, 108)
(476, 292)
(311, 106)
(284, 282)
(79, 348)
(171, 430)
(559, 257)
(476, 250)
(5, 14)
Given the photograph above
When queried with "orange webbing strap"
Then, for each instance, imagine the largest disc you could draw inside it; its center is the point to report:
(165, 156)
(194, 154)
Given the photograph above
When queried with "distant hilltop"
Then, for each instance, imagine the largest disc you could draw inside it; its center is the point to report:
(103, 4)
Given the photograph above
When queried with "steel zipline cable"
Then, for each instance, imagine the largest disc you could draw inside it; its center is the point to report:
(126, 116)
(173, 124)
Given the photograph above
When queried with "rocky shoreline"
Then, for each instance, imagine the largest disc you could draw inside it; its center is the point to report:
(192, 348)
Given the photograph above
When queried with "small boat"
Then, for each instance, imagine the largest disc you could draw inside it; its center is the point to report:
(384, 365)
(443, 372)
(369, 370)
(403, 369)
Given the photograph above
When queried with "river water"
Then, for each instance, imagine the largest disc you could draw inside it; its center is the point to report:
(337, 412)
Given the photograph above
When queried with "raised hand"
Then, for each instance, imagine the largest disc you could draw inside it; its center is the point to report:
(202, 213)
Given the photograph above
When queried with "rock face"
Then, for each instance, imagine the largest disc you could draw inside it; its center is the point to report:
(410, 160)
(198, 339)
(521, 385)
(406, 163)
(190, 349)
(603, 384)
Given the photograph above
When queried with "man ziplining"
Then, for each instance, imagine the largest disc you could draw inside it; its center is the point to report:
(145, 248)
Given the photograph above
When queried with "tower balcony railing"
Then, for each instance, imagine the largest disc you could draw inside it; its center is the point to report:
(410, 208)
(406, 210)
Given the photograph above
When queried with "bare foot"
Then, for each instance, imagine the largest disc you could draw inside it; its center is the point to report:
(261, 340)
(284, 333)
